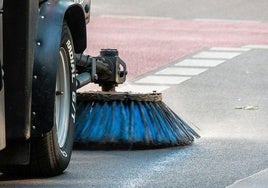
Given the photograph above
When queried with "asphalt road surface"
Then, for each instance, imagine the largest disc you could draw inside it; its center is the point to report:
(220, 49)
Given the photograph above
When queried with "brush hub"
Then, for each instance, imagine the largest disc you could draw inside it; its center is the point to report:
(119, 96)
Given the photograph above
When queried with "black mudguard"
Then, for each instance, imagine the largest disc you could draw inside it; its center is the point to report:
(2, 96)
(19, 32)
(51, 17)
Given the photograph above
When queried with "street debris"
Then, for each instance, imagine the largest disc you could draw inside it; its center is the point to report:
(246, 107)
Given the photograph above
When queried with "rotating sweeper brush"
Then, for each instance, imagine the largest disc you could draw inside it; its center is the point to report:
(108, 118)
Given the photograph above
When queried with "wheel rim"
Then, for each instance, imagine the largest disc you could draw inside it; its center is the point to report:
(62, 99)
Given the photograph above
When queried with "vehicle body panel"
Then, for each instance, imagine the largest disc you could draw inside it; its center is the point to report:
(30, 56)
(2, 99)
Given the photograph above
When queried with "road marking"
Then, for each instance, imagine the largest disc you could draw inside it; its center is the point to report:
(178, 72)
(256, 46)
(181, 71)
(229, 49)
(226, 20)
(162, 80)
(216, 55)
(135, 17)
(258, 179)
(200, 62)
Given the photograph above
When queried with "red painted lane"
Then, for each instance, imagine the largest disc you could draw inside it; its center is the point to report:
(147, 44)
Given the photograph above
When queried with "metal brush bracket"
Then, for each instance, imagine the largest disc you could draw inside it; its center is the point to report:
(108, 69)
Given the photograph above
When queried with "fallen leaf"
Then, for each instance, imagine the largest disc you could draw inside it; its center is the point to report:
(251, 108)
(246, 107)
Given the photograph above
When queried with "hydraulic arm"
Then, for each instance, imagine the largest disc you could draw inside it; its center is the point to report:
(108, 69)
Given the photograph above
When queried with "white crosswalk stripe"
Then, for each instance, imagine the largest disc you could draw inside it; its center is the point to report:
(229, 49)
(216, 55)
(199, 63)
(183, 70)
(256, 46)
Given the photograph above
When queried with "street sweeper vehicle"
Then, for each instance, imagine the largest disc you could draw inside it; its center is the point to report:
(42, 115)
(38, 83)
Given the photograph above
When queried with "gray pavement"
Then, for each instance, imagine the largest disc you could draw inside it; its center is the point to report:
(210, 101)
(256, 180)
(232, 150)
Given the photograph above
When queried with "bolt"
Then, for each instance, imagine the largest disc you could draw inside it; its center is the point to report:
(59, 92)
(95, 77)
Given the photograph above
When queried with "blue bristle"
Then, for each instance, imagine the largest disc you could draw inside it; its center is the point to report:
(131, 122)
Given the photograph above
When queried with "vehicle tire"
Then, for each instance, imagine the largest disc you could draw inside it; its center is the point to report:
(51, 153)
